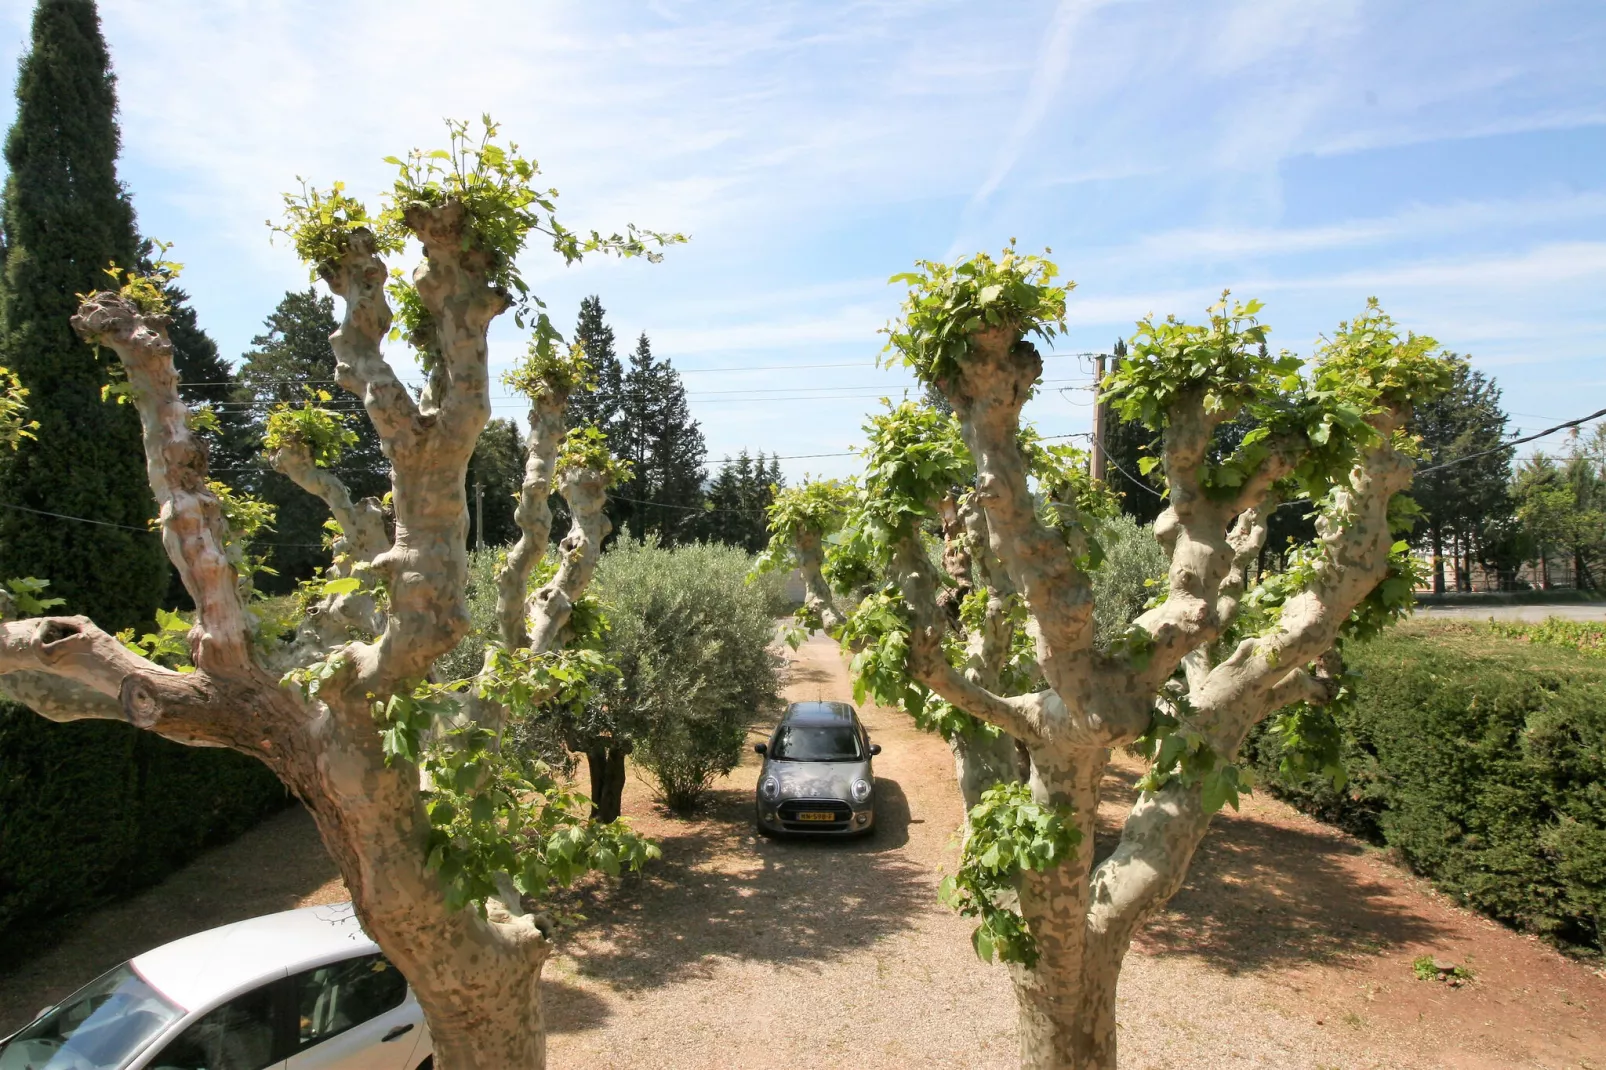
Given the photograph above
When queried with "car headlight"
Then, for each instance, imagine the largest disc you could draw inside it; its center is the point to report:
(861, 790)
(770, 787)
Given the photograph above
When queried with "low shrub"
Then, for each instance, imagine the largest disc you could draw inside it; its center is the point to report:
(689, 636)
(1481, 758)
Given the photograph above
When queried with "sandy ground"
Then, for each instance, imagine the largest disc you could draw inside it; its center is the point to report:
(1290, 946)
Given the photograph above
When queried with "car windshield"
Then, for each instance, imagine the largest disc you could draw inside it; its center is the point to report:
(816, 743)
(102, 1026)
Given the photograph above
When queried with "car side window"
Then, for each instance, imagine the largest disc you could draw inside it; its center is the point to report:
(239, 1035)
(332, 999)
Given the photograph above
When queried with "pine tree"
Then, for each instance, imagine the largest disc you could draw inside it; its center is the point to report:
(1466, 504)
(65, 218)
(603, 406)
(292, 355)
(665, 446)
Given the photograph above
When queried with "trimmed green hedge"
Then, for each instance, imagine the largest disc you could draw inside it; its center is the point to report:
(94, 810)
(1482, 759)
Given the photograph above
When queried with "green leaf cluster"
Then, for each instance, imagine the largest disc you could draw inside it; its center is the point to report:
(26, 595)
(585, 448)
(949, 304)
(146, 289)
(14, 424)
(320, 223)
(168, 646)
(496, 814)
(546, 372)
(1179, 752)
(820, 506)
(1367, 362)
(324, 432)
(914, 457)
(1009, 833)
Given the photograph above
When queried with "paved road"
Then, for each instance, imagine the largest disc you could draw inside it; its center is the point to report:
(1585, 611)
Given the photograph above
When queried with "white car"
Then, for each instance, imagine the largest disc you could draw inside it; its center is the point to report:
(302, 990)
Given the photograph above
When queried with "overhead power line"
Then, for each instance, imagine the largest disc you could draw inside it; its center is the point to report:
(1514, 442)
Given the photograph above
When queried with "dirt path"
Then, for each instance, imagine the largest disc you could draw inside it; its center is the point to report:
(1290, 946)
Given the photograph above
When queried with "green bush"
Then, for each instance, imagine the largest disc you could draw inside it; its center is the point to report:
(689, 636)
(95, 810)
(1130, 575)
(1482, 759)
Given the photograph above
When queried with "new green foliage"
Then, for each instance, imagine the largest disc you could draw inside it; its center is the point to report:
(65, 218)
(1008, 833)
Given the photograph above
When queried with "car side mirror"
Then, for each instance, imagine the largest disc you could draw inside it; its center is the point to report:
(759, 748)
(875, 748)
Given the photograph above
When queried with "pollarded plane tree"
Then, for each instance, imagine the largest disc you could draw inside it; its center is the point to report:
(445, 839)
(1187, 680)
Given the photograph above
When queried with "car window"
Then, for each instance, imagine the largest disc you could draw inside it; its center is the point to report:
(817, 743)
(239, 1035)
(331, 999)
(101, 1025)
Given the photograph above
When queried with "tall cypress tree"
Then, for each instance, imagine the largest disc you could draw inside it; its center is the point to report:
(65, 217)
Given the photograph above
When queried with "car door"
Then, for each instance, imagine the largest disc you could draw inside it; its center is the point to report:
(243, 1034)
(356, 1014)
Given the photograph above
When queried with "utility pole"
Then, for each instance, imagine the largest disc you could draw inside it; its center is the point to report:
(1100, 463)
(479, 515)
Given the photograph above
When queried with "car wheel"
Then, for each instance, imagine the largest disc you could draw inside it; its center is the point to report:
(758, 827)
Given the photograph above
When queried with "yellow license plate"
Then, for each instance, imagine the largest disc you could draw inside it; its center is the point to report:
(816, 815)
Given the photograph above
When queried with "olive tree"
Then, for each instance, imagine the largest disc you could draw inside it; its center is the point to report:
(445, 839)
(1217, 651)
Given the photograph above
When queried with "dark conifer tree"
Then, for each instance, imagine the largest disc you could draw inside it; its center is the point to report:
(65, 218)
(665, 447)
(603, 406)
(1467, 506)
(290, 357)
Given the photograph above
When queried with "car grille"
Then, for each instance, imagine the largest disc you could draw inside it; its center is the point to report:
(791, 808)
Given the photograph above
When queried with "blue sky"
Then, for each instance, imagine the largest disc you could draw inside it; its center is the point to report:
(1449, 158)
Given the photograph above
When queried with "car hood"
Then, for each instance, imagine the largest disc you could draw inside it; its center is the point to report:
(817, 780)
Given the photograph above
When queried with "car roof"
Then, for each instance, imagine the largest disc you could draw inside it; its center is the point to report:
(822, 713)
(198, 970)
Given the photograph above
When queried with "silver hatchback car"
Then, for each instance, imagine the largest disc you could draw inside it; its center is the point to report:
(817, 776)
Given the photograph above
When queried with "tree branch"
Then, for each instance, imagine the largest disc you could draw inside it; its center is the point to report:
(807, 544)
(451, 282)
(992, 385)
(194, 532)
(1030, 718)
(362, 524)
(533, 515)
(359, 278)
(586, 491)
(67, 669)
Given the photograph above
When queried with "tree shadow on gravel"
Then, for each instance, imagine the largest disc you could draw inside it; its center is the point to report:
(721, 892)
(569, 1009)
(1263, 896)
